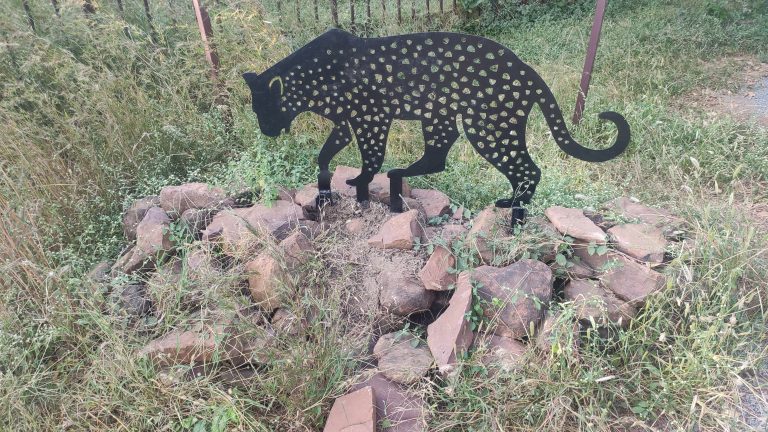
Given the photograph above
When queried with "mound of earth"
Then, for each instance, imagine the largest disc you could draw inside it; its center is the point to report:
(413, 294)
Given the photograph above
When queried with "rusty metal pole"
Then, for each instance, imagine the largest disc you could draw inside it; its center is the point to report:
(204, 24)
(335, 12)
(150, 24)
(30, 19)
(589, 61)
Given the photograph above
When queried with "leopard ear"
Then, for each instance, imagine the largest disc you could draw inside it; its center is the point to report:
(250, 79)
(276, 85)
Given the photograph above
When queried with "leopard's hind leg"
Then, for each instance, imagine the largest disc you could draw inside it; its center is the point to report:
(511, 160)
(524, 176)
(439, 136)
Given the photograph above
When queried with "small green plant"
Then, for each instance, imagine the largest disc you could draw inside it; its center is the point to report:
(595, 249)
(476, 315)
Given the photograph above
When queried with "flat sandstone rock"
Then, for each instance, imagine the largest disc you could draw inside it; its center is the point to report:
(353, 412)
(450, 335)
(403, 358)
(514, 295)
(640, 241)
(572, 222)
(399, 232)
(632, 281)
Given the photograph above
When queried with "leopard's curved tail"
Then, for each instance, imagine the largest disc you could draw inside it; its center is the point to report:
(566, 143)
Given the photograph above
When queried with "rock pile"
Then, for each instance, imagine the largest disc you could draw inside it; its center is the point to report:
(438, 286)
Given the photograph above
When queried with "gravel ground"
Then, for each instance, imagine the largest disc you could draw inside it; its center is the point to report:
(754, 399)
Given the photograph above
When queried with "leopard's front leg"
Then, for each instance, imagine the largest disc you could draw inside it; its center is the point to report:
(372, 142)
(339, 138)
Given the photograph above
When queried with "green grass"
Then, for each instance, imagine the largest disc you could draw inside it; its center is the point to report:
(91, 119)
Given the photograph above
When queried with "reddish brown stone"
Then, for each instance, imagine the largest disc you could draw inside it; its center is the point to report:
(196, 220)
(200, 264)
(397, 408)
(449, 233)
(486, 226)
(177, 199)
(458, 215)
(285, 194)
(514, 295)
(437, 274)
(232, 231)
(267, 281)
(131, 261)
(551, 341)
(599, 263)
(236, 229)
(578, 270)
(135, 213)
(153, 239)
(632, 210)
(640, 241)
(286, 323)
(353, 412)
(502, 353)
(208, 342)
(185, 347)
(399, 232)
(593, 302)
(632, 282)
(572, 222)
(306, 195)
(297, 249)
(450, 335)
(403, 358)
(153, 232)
(402, 294)
(279, 219)
(434, 202)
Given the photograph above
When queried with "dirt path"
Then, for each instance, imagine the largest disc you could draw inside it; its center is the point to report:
(748, 104)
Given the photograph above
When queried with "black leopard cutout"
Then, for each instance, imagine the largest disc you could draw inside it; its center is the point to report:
(441, 79)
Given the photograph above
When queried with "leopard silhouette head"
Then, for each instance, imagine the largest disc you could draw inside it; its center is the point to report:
(267, 92)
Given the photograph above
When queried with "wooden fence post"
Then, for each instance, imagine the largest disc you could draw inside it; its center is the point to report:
(589, 61)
